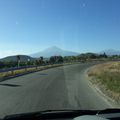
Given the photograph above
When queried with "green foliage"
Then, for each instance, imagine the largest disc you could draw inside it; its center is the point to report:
(10, 64)
(81, 57)
(56, 59)
(103, 55)
(41, 58)
(115, 57)
(2, 65)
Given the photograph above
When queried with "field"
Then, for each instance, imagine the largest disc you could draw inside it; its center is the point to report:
(107, 77)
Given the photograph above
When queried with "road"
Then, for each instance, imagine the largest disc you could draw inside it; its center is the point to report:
(56, 88)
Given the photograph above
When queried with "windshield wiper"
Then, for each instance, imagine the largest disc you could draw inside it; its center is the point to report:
(50, 114)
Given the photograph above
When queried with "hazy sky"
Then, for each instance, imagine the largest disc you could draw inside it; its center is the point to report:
(28, 26)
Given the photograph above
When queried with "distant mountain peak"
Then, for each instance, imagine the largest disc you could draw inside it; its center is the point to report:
(110, 52)
(52, 51)
(54, 48)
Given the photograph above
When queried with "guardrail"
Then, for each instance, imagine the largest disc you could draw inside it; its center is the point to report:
(15, 72)
(33, 66)
(19, 68)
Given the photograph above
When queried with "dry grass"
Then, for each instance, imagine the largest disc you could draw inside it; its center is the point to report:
(23, 71)
(13, 73)
(107, 75)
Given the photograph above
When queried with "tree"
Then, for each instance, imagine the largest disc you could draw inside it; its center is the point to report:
(66, 59)
(103, 55)
(36, 62)
(41, 58)
(2, 65)
(56, 59)
(60, 59)
(52, 59)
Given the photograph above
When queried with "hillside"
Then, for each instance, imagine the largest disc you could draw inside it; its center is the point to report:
(23, 58)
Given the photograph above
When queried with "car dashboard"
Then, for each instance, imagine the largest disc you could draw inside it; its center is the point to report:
(108, 114)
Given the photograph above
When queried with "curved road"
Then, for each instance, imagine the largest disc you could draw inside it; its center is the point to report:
(56, 88)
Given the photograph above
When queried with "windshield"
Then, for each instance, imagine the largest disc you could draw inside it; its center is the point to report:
(59, 55)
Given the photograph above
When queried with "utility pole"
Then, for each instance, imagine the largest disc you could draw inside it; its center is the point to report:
(18, 60)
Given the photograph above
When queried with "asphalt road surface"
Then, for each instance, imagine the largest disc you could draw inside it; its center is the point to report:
(52, 89)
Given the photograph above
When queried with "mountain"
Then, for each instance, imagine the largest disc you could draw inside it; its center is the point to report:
(52, 51)
(111, 52)
(23, 58)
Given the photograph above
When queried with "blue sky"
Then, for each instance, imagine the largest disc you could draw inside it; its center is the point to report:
(28, 26)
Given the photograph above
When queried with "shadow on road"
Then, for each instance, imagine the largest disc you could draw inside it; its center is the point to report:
(10, 85)
(43, 74)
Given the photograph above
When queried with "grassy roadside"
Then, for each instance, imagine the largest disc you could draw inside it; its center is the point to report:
(107, 77)
(6, 75)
